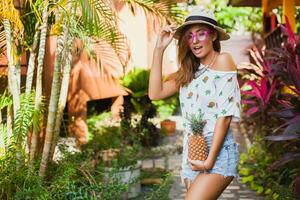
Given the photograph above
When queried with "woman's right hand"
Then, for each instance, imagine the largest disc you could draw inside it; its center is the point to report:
(165, 36)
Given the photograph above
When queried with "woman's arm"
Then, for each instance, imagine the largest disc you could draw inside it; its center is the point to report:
(157, 88)
(221, 129)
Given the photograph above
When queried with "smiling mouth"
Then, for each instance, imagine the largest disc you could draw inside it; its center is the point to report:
(197, 48)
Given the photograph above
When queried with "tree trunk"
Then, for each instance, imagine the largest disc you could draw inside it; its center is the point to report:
(13, 86)
(31, 62)
(65, 82)
(63, 95)
(52, 110)
(38, 94)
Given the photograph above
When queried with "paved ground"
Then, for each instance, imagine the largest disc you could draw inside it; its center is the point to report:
(235, 191)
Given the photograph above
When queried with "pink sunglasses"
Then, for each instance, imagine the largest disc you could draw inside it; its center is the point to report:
(200, 36)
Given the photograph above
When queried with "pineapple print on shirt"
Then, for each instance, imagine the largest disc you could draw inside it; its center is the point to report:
(216, 93)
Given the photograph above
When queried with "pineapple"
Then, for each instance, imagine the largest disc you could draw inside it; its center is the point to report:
(198, 149)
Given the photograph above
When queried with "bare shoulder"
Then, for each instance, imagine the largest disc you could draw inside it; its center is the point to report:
(225, 62)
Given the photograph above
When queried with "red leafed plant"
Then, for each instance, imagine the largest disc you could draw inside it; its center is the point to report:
(286, 65)
(271, 96)
(257, 91)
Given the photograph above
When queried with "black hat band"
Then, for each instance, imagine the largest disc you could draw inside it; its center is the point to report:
(207, 19)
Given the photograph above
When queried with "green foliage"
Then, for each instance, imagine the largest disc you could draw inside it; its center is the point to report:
(111, 137)
(168, 10)
(105, 138)
(93, 121)
(161, 191)
(139, 129)
(5, 100)
(297, 20)
(255, 172)
(19, 182)
(29, 19)
(235, 19)
(24, 118)
(166, 107)
(137, 81)
(128, 156)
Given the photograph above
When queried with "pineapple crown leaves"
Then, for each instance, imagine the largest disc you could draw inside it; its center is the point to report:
(196, 123)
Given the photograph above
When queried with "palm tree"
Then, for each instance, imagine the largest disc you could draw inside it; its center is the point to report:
(94, 23)
(97, 22)
(13, 72)
(10, 19)
(38, 88)
(89, 25)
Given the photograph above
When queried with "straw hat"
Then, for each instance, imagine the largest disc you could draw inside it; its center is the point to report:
(200, 15)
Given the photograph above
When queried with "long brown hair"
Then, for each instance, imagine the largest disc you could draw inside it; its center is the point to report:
(188, 62)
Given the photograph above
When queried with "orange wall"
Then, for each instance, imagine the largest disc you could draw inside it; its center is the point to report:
(141, 34)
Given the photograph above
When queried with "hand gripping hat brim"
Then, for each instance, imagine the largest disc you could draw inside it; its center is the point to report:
(202, 16)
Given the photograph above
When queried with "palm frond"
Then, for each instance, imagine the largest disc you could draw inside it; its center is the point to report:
(24, 118)
(3, 139)
(111, 59)
(109, 49)
(31, 16)
(97, 17)
(8, 11)
(5, 100)
(2, 41)
(164, 10)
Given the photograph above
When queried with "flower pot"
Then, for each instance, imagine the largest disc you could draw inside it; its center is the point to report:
(127, 175)
(168, 126)
(109, 154)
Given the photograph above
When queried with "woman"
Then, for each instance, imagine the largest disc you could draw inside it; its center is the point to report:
(207, 83)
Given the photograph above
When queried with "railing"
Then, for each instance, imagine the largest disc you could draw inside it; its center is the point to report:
(275, 38)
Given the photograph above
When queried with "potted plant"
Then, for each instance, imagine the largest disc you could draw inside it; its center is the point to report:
(168, 127)
(115, 150)
(126, 167)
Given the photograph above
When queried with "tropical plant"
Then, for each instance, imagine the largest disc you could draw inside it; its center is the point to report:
(248, 20)
(94, 23)
(282, 108)
(287, 65)
(137, 81)
(259, 88)
(161, 191)
(167, 106)
(39, 68)
(10, 19)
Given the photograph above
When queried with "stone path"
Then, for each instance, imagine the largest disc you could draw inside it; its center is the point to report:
(235, 191)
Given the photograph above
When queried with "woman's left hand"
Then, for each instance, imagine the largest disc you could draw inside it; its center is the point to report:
(200, 165)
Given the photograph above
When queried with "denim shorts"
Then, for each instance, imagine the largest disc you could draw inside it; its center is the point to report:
(225, 164)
